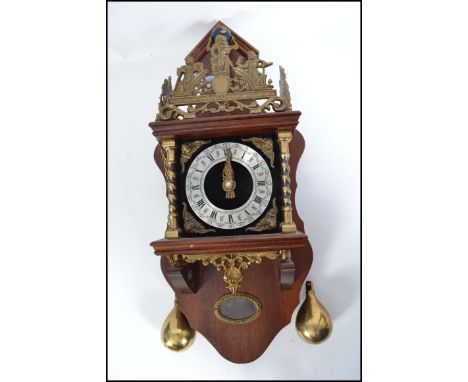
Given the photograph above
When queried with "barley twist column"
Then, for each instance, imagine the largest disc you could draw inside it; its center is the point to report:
(168, 151)
(287, 225)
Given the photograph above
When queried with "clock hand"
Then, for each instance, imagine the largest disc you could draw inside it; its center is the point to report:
(229, 184)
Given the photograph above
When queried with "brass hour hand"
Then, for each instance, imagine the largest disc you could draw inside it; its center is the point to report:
(229, 184)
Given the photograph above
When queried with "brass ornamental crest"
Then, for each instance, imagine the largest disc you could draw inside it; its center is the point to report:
(221, 86)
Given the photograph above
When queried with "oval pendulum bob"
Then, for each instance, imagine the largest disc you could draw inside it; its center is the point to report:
(313, 322)
(176, 333)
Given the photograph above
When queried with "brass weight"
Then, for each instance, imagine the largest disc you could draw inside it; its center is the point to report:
(176, 333)
(313, 322)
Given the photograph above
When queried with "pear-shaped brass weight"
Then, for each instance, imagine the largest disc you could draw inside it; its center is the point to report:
(176, 333)
(313, 323)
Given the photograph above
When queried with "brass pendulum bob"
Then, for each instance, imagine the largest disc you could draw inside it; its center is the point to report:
(313, 323)
(176, 333)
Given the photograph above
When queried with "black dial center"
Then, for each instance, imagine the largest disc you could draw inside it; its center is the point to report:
(214, 186)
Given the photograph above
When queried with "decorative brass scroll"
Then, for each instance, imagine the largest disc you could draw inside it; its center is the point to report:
(264, 144)
(232, 264)
(223, 86)
(287, 225)
(168, 153)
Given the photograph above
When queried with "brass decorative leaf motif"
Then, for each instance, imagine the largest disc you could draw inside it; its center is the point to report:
(191, 224)
(233, 264)
(264, 144)
(187, 150)
(268, 222)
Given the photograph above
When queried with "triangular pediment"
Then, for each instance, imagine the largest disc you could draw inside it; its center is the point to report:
(199, 51)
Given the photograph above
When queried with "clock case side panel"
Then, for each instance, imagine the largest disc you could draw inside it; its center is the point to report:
(245, 343)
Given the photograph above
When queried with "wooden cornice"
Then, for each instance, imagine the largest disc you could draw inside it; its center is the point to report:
(222, 126)
(229, 244)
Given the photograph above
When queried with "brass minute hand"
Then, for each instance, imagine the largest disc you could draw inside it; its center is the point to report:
(229, 184)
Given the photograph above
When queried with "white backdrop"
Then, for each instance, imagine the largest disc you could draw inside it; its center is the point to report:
(318, 44)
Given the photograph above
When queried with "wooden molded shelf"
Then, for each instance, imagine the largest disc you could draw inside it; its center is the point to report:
(230, 125)
(229, 244)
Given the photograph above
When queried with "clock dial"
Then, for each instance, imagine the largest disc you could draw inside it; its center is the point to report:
(228, 185)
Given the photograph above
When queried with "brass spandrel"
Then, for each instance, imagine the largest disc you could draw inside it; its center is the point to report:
(192, 225)
(188, 149)
(268, 222)
(265, 145)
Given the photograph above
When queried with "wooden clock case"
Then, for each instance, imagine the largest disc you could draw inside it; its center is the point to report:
(275, 283)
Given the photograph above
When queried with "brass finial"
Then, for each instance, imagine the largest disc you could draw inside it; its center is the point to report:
(313, 322)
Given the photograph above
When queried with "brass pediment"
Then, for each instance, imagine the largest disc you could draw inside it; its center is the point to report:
(228, 78)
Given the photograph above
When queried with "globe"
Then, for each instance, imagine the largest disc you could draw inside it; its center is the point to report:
(223, 31)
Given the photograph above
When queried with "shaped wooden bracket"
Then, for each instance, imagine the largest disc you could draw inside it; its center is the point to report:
(184, 277)
(286, 270)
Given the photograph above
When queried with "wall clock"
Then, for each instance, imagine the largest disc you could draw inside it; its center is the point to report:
(235, 252)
